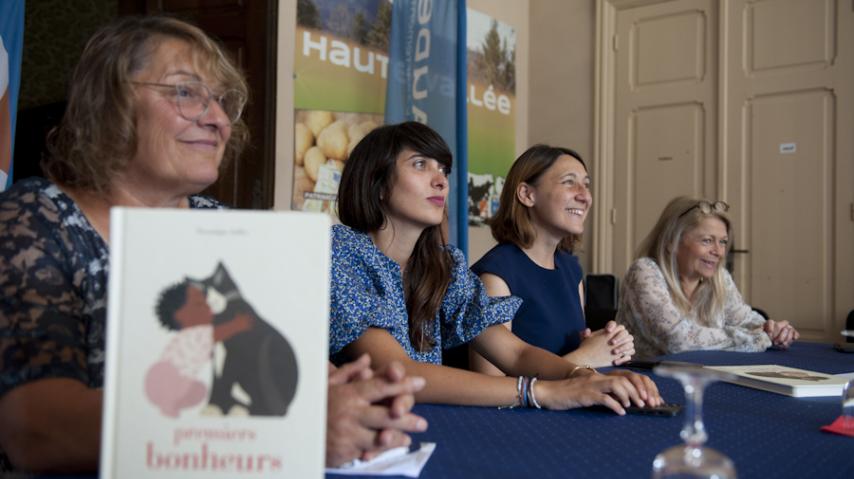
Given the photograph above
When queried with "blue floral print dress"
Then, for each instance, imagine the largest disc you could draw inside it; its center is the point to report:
(367, 292)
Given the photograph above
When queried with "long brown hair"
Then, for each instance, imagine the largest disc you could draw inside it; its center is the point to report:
(512, 222)
(368, 177)
(97, 135)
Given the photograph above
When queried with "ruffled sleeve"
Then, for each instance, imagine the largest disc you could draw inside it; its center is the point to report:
(467, 310)
(357, 291)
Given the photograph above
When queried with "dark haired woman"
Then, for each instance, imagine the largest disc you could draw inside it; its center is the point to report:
(540, 219)
(401, 294)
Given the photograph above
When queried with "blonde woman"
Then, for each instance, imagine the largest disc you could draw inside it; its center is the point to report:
(677, 296)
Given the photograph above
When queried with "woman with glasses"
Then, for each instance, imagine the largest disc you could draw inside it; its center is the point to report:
(677, 296)
(153, 115)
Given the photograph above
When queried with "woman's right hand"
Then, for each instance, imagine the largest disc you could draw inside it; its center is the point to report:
(615, 390)
(368, 412)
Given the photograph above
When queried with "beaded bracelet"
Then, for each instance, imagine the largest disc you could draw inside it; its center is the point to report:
(525, 382)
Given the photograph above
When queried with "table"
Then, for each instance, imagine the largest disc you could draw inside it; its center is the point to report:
(765, 434)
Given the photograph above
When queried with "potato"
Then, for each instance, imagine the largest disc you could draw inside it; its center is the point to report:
(333, 141)
(313, 159)
(303, 140)
(317, 120)
(367, 126)
(303, 185)
(355, 131)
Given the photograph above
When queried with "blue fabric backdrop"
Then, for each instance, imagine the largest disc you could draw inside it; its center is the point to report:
(12, 37)
(427, 81)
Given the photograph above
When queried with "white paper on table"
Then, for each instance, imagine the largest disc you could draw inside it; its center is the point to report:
(394, 462)
(846, 375)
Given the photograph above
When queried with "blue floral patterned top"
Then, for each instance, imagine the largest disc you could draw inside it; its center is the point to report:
(53, 274)
(367, 292)
(54, 268)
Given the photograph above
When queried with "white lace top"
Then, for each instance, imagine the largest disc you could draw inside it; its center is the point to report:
(660, 327)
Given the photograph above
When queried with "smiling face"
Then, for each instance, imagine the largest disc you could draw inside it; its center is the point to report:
(173, 154)
(702, 249)
(418, 193)
(560, 199)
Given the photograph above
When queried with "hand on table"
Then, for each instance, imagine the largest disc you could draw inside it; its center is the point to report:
(367, 412)
(782, 333)
(614, 390)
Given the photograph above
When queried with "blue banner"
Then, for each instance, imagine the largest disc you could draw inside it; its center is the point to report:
(426, 83)
(11, 48)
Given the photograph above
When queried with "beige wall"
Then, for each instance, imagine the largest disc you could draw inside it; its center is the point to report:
(516, 14)
(561, 75)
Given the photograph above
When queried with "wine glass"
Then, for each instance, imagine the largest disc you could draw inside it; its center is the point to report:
(692, 459)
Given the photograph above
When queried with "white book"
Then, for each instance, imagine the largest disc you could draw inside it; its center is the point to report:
(217, 330)
(785, 380)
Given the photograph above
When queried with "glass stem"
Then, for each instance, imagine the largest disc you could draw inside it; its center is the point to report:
(694, 433)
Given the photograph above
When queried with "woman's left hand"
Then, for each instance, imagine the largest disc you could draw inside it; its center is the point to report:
(782, 333)
(621, 342)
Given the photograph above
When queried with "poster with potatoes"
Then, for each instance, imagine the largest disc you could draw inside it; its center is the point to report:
(322, 142)
(491, 98)
(340, 71)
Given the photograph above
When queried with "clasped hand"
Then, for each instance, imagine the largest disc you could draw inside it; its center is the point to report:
(368, 412)
(782, 333)
(609, 346)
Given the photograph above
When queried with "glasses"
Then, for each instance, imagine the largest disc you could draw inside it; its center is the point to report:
(194, 98)
(707, 208)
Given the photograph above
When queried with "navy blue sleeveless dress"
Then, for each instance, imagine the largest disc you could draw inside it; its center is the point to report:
(551, 316)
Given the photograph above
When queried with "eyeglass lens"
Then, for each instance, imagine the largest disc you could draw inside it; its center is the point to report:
(194, 101)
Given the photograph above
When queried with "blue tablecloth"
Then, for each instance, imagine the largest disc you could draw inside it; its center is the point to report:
(765, 434)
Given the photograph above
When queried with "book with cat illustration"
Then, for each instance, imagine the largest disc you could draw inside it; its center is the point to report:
(217, 344)
(785, 380)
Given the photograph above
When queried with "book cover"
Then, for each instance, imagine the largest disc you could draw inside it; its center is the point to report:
(785, 380)
(217, 330)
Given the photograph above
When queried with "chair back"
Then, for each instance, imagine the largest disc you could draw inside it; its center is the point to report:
(601, 298)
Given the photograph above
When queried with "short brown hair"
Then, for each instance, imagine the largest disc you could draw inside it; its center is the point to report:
(512, 222)
(97, 135)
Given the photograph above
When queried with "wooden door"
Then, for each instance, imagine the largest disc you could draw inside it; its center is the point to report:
(790, 158)
(247, 29)
(665, 118)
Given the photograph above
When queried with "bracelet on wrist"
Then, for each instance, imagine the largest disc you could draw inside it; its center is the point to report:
(586, 366)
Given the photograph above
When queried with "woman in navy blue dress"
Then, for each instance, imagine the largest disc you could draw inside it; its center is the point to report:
(401, 293)
(540, 219)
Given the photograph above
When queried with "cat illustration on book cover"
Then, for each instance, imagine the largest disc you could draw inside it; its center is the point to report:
(254, 371)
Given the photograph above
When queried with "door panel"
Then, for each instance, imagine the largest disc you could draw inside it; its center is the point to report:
(789, 158)
(665, 114)
(666, 143)
(790, 140)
